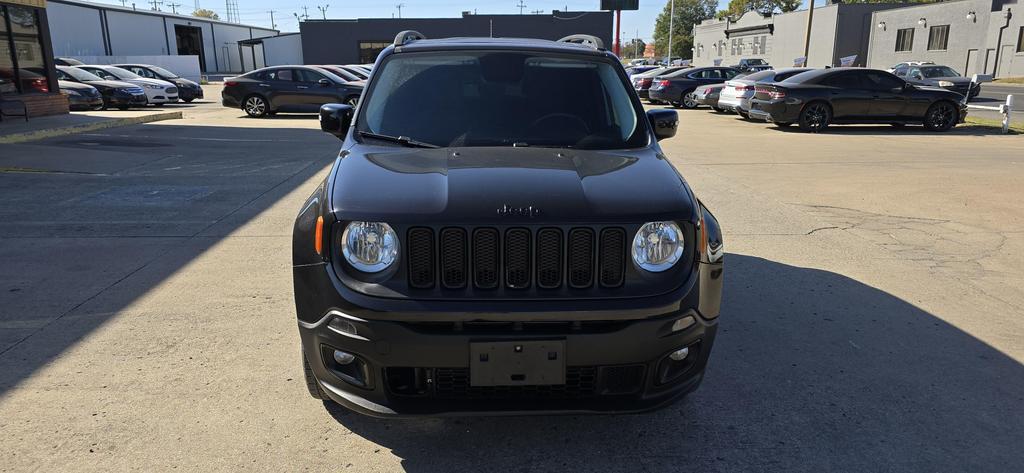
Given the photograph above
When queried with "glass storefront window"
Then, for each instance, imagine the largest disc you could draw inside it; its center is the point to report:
(19, 26)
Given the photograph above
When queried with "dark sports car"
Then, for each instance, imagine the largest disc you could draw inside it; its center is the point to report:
(818, 98)
(187, 90)
(503, 234)
(298, 89)
(939, 76)
(678, 88)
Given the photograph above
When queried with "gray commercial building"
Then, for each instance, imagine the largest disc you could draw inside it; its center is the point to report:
(971, 36)
(361, 40)
(837, 31)
(83, 29)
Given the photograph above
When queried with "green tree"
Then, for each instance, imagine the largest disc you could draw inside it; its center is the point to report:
(634, 48)
(204, 13)
(737, 8)
(688, 13)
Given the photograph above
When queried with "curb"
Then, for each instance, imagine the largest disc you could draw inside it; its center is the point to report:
(71, 130)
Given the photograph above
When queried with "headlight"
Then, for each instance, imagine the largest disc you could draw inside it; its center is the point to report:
(945, 83)
(153, 86)
(70, 92)
(369, 247)
(657, 246)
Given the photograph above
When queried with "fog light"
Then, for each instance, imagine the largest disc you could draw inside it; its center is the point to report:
(343, 358)
(678, 355)
(683, 323)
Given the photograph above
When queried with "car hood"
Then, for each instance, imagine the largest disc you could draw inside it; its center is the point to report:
(145, 80)
(471, 185)
(111, 84)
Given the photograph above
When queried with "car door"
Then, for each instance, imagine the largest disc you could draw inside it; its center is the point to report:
(888, 95)
(313, 94)
(847, 95)
(279, 86)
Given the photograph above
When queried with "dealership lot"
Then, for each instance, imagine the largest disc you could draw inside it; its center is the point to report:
(871, 320)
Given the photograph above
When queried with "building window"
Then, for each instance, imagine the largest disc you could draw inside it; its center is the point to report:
(904, 39)
(22, 62)
(1020, 40)
(938, 38)
(369, 50)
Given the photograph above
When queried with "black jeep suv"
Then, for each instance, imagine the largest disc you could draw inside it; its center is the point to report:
(501, 233)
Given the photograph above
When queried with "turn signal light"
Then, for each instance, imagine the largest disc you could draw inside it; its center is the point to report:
(318, 243)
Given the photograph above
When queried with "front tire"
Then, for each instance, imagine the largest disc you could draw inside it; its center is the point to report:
(815, 117)
(941, 116)
(255, 106)
(188, 100)
(311, 383)
(352, 101)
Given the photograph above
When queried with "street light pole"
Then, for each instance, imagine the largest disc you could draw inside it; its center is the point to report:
(807, 34)
(671, 26)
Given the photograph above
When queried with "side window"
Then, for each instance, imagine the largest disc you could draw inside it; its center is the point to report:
(61, 75)
(901, 71)
(280, 74)
(103, 74)
(713, 74)
(914, 73)
(878, 81)
(848, 80)
(305, 75)
(729, 73)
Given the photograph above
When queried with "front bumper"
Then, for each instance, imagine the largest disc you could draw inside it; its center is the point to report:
(416, 360)
(125, 100)
(185, 93)
(84, 103)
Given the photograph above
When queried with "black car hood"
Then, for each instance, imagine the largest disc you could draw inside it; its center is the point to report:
(68, 85)
(178, 81)
(110, 84)
(470, 185)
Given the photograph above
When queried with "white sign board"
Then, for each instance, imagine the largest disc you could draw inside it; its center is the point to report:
(847, 61)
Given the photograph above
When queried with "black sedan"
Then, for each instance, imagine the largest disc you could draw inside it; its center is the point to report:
(115, 93)
(81, 96)
(939, 76)
(298, 89)
(817, 98)
(678, 88)
(187, 90)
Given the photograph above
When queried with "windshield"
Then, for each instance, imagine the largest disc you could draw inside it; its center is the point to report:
(502, 99)
(939, 71)
(79, 74)
(122, 73)
(163, 72)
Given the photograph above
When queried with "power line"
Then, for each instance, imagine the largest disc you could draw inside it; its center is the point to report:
(155, 4)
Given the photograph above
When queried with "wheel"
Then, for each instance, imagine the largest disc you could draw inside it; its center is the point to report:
(689, 100)
(352, 101)
(311, 383)
(742, 114)
(815, 117)
(255, 106)
(188, 100)
(941, 116)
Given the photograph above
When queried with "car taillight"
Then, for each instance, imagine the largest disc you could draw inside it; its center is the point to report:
(742, 88)
(646, 82)
(663, 83)
(230, 83)
(777, 94)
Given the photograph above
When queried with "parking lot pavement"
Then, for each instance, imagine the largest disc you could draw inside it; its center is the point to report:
(871, 320)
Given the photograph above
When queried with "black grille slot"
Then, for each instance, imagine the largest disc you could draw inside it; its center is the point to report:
(549, 258)
(486, 257)
(421, 258)
(517, 258)
(453, 258)
(581, 257)
(612, 256)
(453, 383)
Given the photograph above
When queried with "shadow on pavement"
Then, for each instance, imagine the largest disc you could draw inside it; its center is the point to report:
(104, 218)
(812, 371)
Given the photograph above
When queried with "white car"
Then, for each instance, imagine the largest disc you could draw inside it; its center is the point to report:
(158, 92)
(907, 64)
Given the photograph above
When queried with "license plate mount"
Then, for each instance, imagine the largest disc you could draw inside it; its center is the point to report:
(535, 363)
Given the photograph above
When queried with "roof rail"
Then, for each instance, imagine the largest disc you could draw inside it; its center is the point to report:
(584, 39)
(407, 37)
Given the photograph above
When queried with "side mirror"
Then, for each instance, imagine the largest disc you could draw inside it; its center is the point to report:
(664, 122)
(324, 83)
(335, 118)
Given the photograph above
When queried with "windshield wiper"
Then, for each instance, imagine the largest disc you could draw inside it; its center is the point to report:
(402, 140)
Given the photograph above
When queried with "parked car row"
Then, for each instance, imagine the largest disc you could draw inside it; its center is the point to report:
(295, 89)
(90, 86)
(816, 98)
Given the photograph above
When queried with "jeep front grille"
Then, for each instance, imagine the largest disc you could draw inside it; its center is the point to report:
(517, 258)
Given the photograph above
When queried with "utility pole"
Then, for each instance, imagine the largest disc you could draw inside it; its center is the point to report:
(305, 12)
(521, 6)
(273, 25)
(537, 12)
(323, 10)
(174, 7)
(399, 7)
(155, 4)
(807, 34)
(124, 3)
(671, 26)
(636, 45)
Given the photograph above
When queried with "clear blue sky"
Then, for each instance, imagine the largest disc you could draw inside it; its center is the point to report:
(255, 12)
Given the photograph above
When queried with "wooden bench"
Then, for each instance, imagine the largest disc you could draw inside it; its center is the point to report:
(6, 104)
